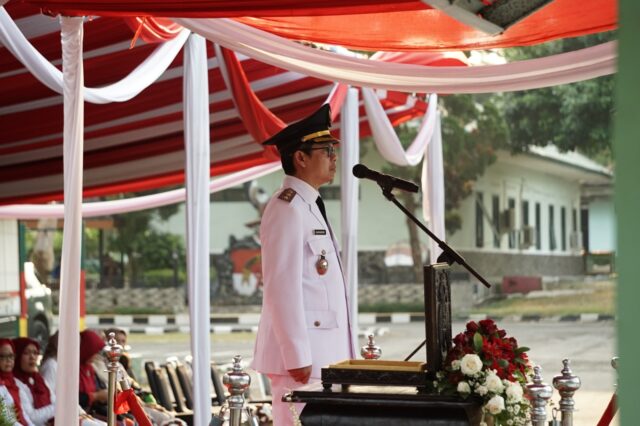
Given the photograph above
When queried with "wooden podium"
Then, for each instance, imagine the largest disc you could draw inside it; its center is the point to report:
(381, 406)
(375, 392)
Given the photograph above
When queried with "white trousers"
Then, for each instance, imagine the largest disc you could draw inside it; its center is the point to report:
(282, 412)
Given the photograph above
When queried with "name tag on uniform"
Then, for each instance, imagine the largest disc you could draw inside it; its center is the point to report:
(319, 232)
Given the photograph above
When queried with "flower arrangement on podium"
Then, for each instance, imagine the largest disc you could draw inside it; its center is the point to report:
(487, 365)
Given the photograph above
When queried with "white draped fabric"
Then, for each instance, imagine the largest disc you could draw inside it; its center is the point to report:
(530, 74)
(139, 79)
(196, 141)
(385, 137)
(67, 376)
(105, 208)
(350, 154)
(433, 190)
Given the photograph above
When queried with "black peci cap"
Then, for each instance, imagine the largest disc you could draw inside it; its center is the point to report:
(309, 130)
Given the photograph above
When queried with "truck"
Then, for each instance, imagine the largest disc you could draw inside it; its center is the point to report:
(25, 303)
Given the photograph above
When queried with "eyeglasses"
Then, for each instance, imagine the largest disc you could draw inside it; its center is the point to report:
(329, 149)
(7, 357)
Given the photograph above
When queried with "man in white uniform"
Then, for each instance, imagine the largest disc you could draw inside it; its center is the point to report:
(304, 324)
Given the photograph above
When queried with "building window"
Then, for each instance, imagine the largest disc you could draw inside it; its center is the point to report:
(552, 230)
(525, 213)
(538, 225)
(479, 221)
(512, 233)
(495, 215)
(574, 220)
(563, 228)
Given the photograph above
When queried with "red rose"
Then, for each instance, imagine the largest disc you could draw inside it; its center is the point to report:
(472, 326)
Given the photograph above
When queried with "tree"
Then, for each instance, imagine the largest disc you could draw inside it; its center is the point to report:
(575, 116)
(138, 241)
(472, 130)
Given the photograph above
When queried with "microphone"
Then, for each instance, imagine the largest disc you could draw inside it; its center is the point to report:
(386, 182)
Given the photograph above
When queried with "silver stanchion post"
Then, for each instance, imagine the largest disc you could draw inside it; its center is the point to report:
(566, 384)
(539, 394)
(236, 382)
(113, 351)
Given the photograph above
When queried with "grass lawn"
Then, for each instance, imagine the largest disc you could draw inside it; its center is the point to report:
(596, 298)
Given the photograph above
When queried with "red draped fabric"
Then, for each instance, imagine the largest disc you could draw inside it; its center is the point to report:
(433, 30)
(223, 8)
(154, 30)
(365, 24)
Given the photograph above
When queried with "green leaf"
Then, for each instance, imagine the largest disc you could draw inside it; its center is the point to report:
(477, 342)
(520, 361)
(503, 363)
(518, 375)
(521, 350)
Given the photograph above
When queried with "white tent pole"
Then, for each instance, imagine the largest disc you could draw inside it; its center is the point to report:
(196, 139)
(350, 154)
(67, 375)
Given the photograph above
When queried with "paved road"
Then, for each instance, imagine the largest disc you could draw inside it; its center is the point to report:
(589, 346)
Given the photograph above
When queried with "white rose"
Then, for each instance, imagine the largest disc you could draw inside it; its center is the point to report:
(481, 390)
(495, 405)
(463, 387)
(514, 392)
(493, 383)
(455, 365)
(509, 422)
(470, 364)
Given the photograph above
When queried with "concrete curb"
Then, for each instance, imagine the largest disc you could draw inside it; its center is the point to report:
(241, 323)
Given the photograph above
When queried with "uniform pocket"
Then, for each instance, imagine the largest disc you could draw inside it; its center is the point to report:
(321, 319)
(321, 245)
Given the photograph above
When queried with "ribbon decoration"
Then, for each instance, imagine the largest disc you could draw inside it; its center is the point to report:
(127, 401)
(609, 412)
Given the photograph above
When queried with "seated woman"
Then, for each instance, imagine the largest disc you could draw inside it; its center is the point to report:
(12, 395)
(39, 402)
(48, 370)
(92, 398)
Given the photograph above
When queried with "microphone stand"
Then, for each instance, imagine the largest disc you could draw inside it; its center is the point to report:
(449, 255)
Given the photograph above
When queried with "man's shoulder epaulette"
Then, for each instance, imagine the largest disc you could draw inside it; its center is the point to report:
(287, 195)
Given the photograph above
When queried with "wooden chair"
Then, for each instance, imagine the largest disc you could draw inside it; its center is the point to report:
(149, 368)
(184, 378)
(218, 397)
(167, 399)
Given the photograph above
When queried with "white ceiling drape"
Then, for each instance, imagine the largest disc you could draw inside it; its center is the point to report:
(105, 208)
(139, 79)
(530, 74)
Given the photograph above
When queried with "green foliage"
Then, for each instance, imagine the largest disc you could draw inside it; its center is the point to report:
(473, 129)
(391, 307)
(574, 116)
(146, 248)
(7, 415)
(163, 278)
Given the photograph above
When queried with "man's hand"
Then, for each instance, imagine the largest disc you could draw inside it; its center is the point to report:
(301, 374)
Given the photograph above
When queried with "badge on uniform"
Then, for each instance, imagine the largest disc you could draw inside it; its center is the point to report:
(319, 232)
(322, 265)
(287, 195)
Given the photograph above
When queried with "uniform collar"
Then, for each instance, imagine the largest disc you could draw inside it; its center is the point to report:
(302, 188)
